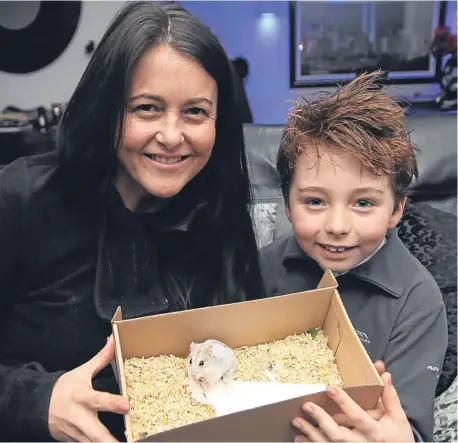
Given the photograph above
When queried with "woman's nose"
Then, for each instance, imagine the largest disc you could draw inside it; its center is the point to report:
(170, 134)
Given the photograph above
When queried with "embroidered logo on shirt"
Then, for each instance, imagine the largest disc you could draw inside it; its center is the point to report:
(363, 336)
(432, 368)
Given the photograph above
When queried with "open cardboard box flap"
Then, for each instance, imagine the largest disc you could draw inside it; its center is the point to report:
(252, 323)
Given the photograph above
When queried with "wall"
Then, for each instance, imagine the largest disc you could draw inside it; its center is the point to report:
(258, 31)
(56, 82)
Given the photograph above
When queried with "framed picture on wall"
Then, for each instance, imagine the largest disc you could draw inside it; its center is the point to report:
(332, 41)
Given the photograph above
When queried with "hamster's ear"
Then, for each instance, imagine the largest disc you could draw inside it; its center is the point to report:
(191, 346)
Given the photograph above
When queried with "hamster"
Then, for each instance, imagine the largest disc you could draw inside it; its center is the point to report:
(209, 362)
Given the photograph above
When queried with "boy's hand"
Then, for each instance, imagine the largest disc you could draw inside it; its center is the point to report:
(388, 422)
(342, 420)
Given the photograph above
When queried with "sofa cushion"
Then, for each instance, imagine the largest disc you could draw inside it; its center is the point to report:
(445, 415)
(263, 217)
(282, 223)
(262, 143)
(437, 181)
(436, 137)
(430, 235)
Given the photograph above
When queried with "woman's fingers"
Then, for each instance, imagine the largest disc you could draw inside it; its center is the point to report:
(71, 433)
(75, 434)
(101, 401)
(102, 359)
(89, 426)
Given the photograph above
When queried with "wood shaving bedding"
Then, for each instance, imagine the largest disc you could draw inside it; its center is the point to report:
(159, 399)
(296, 359)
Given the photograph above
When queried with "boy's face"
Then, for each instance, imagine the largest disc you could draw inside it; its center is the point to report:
(339, 215)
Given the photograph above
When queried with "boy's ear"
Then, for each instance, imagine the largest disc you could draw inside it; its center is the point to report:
(397, 214)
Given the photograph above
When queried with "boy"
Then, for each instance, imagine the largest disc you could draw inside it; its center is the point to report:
(346, 163)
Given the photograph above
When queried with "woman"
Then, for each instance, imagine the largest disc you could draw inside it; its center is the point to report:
(144, 205)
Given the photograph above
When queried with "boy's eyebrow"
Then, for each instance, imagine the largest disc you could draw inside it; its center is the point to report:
(365, 190)
(313, 189)
(192, 101)
(368, 190)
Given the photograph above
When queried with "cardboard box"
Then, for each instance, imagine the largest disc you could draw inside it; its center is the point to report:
(252, 323)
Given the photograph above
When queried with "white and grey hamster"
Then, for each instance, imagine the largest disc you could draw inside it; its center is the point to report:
(209, 362)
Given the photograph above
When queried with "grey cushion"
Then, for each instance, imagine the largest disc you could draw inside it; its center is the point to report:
(430, 235)
(263, 216)
(262, 142)
(282, 223)
(438, 181)
(445, 415)
(436, 137)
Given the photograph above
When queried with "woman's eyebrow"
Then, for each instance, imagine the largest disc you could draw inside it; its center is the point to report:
(192, 101)
(195, 101)
(148, 96)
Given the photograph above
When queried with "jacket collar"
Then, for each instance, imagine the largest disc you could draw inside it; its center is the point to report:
(382, 270)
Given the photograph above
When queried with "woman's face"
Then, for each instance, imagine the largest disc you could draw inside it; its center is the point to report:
(170, 126)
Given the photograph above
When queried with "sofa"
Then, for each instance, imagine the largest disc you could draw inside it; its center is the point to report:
(428, 227)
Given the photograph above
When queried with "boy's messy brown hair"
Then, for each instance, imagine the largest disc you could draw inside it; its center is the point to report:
(360, 120)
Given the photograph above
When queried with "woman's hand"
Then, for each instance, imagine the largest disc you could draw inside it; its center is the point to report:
(387, 422)
(74, 403)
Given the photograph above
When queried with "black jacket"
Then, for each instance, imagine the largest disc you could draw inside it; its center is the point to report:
(63, 272)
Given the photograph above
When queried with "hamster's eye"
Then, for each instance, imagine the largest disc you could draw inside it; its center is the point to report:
(190, 361)
(201, 363)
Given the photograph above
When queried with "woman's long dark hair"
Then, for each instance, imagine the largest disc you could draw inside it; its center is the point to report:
(91, 132)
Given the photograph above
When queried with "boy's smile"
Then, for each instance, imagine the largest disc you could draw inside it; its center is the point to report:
(340, 213)
(336, 251)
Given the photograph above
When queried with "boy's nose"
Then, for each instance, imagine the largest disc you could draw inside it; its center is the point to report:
(337, 223)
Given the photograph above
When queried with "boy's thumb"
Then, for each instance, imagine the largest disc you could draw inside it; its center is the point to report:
(390, 398)
(102, 358)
